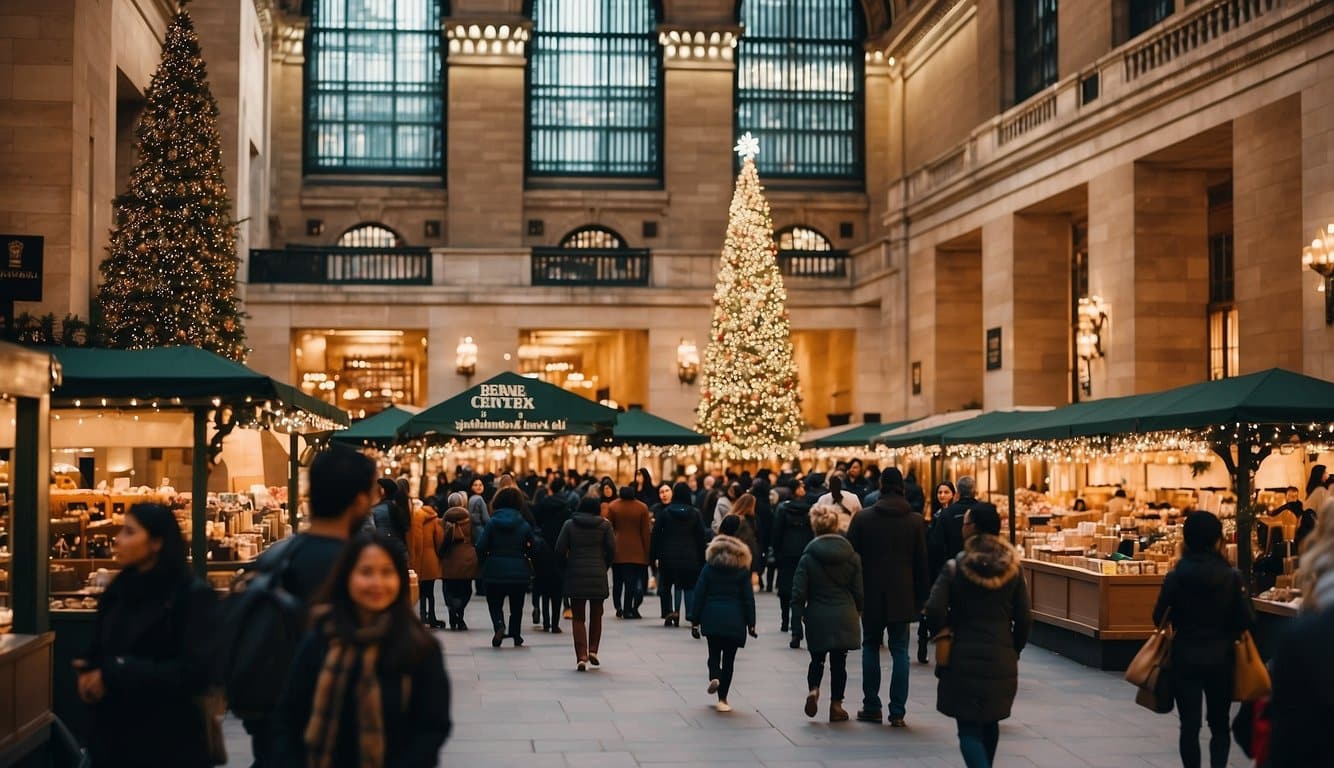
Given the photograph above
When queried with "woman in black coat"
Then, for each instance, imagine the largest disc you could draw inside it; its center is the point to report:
(553, 511)
(1205, 600)
(368, 684)
(722, 607)
(791, 533)
(982, 598)
(676, 549)
(587, 546)
(150, 653)
(505, 549)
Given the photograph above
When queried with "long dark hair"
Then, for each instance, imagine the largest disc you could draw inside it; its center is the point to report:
(643, 481)
(935, 496)
(406, 641)
(836, 488)
(401, 511)
(161, 524)
(1316, 479)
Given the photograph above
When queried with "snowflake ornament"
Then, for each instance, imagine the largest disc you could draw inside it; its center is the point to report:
(747, 146)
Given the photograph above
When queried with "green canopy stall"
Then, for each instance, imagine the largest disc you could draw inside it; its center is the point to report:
(380, 430)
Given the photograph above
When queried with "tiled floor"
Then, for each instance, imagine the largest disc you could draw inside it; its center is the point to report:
(647, 705)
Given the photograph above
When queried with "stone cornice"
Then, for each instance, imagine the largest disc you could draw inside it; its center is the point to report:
(266, 11)
(488, 42)
(906, 33)
(698, 47)
(289, 39)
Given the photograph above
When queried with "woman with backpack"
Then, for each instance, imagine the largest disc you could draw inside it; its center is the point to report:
(150, 653)
(368, 684)
(827, 595)
(458, 558)
(587, 546)
(424, 538)
(846, 502)
(722, 607)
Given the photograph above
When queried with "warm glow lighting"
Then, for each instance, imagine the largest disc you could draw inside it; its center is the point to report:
(465, 357)
(687, 361)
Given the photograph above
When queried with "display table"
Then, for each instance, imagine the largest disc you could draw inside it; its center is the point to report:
(1270, 620)
(1095, 619)
(25, 694)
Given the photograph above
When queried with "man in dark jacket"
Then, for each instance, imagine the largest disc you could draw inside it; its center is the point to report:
(1303, 676)
(947, 529)
(791, 533)
(892, 543)
(913, 491)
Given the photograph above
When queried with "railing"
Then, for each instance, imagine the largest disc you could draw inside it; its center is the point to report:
(591, 266)
(1041, 111)
(1204, 24)
(813, 263)
(346, 266)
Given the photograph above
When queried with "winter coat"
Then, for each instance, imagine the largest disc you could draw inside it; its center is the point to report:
(633, 526)
(505, 547)
(1303, 678)
(913, 493)
(460, 558)
(827, 594)
(947, 533)
(891, 540)
(747, 532)
(1209, 609)
(480, 516)
(415, 722)
(724, 604)
(153, 641)
(764, 516)
(587, 546)
(552, 513)
(424, 539)
(983, 599)
(679, 538)
(792, 532)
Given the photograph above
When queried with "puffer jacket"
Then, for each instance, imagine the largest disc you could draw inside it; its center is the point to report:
(1209, 609)
(587, 545)
(724, 604)
(505, 547)
(679, 538)
(982, 598)
(424, 539)
(827, 594)
(460, 558)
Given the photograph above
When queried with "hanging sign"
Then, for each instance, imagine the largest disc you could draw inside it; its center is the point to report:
(21, 268)
(501, 408)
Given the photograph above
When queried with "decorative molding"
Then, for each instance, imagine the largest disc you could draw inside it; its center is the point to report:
(695, 48)
(478, 42)
(289, 40)
(921, 21)
(265, 10)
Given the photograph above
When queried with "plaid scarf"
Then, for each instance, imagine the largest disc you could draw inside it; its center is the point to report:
(344, 654)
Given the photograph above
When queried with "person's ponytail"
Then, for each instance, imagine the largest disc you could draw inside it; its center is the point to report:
(836, 489)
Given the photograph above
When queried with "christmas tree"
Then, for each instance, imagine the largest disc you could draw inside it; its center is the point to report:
(749, 403)
(170, 273)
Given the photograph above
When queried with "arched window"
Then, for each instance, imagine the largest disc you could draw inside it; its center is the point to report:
(592, 237)
(373, 101)
(594, 89)
(369, 236)
(799, 86)
(799, 238)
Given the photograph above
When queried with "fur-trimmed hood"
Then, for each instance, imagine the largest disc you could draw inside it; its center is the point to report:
(727, 552)
(988, 561)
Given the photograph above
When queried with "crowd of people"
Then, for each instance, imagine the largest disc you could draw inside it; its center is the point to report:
(357, 678)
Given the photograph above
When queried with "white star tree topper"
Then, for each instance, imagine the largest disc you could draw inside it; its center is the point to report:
(747, 146)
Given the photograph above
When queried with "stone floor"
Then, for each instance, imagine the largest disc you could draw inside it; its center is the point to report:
(647, 705)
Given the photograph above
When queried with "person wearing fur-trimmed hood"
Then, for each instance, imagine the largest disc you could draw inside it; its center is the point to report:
(981, 597)
(723, 606)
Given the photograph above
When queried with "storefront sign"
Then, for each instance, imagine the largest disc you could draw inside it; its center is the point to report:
(993, 349)
(21, 268)
(506, 408)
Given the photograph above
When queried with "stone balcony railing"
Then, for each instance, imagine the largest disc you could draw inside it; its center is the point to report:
(1207, 40)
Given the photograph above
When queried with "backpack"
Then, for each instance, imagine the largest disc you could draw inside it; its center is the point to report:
(453, 534)
(263, 625)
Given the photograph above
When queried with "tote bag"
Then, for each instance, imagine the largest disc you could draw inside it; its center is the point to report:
(1250, 678)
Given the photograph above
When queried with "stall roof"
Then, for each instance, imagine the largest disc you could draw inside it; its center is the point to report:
(856, 436)
(380, 429)
(510, 405)
(961, 430)
(925, 431)
(639, 427)
(193, 375)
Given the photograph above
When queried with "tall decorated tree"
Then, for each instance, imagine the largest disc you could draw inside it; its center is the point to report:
(170, 272)
(749, 403)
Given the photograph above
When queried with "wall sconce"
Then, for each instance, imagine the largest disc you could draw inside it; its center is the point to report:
(1319, 258)
(465, 358)
(687, 362)
(1092, 317)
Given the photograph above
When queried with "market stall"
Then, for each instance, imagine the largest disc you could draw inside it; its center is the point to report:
(638, 432)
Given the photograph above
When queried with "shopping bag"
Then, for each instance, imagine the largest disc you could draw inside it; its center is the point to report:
(1153, 654)
(1250, 678)
(1156, 694)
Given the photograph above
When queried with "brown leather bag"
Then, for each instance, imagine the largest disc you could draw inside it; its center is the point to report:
(1250, 677)
(1153, 655)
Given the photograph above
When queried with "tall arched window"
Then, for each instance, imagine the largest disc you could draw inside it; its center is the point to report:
(594, 89)
(592, 237)
(799, 238)
(373, 101)
(799, 86)
(369, 236)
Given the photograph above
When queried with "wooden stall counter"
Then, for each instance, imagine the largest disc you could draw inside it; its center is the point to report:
(1271, 618)
(25, 694)
(1098, 620)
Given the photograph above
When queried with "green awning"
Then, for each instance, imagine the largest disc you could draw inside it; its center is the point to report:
(639, 427)
(965, 430)
(858, 436)
(176, 377)
(380, 430)
(1275, 396)
(510, 405)
(934, 434)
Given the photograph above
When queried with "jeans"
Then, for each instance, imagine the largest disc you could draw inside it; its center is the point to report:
(458, 593)
(426, 599)
(587, 631)
(1214, 685)
(496, 594)
(898, 681)
(722, 657)
(262, 745)
(838, 673)
(551, 610)
(675, 585)
(627, 586)
(977, 743)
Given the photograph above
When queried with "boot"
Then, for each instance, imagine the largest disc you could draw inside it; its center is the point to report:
(921, 649)
(812, 702)
(837, 713)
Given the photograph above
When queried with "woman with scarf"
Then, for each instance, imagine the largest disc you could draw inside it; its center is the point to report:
(149, 657)
(368, 686)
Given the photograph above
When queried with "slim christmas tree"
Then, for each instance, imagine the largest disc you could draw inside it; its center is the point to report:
(170, 272)
(749, 403)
